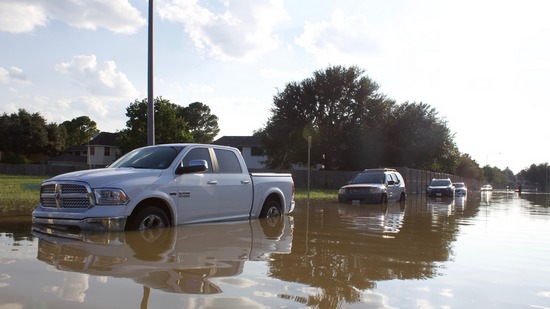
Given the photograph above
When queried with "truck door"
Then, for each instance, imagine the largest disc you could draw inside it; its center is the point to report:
(198, 193)
(235, 186)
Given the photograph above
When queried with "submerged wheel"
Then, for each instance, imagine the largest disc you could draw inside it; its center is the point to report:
(402, 198)
(271, 210)
(384, 199)
(150, 217)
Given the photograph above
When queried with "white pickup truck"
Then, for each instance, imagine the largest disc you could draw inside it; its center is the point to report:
(161, 186)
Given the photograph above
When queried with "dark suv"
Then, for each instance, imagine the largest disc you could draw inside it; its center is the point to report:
(440, 187)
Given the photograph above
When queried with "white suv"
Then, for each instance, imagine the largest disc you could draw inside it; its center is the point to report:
(374, 186)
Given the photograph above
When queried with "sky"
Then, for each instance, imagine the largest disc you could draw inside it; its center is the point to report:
(483, 65)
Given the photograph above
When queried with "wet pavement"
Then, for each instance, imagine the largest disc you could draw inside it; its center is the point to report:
(486, 250)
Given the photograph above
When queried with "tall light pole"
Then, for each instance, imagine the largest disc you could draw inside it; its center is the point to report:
(150, 96)
(308, 165)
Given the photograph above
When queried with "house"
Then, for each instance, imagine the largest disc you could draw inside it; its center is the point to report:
(102, 149)
(99, 152)
(250, 148)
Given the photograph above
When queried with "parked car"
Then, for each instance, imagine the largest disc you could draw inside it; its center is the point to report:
(486, 188)
(440, 187)
(374, 186)
(460, 189)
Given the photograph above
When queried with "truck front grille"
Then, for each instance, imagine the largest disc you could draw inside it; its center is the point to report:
(66, 195)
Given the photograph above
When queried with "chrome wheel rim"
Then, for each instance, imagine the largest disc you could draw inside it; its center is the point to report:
(151, 222)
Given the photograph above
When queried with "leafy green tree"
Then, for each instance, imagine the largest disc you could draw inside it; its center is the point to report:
(536, 174)
(79, 130)
(171, 124)
(332, 107)
(353, 126)
(57, 137)
(468, 168)
(417, 137)
(203, 126)
(497, 177)
(23, 133)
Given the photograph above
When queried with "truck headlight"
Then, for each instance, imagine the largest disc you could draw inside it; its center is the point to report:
(110, 196)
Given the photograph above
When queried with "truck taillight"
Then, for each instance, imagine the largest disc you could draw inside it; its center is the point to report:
(292, 191)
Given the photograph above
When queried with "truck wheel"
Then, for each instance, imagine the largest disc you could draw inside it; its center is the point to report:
(384, 199)
(149, 217)
(402, 198)
(271, 209)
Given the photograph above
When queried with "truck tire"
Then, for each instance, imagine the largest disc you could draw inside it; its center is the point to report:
(271, 209)
(149, 217)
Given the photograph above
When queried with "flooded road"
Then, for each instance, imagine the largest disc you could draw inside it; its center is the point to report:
(486, 251)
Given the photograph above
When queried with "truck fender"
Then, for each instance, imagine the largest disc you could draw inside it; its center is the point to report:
(156, 195)
(269, 193)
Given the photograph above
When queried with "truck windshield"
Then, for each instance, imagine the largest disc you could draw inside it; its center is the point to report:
(157, 157)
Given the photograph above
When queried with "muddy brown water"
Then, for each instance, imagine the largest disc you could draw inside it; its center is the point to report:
(487, 251)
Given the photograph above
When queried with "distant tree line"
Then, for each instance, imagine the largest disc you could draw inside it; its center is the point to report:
(536, 175)
(352, 126)
(25, 136)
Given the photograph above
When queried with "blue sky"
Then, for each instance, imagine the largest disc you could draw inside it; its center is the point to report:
(483, 65)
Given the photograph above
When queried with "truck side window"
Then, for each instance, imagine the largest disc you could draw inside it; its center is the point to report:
(228, 162)
(198, 154)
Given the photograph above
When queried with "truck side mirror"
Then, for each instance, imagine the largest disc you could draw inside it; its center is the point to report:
(193, 167)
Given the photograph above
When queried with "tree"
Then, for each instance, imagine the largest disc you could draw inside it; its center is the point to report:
(417, 137)
(57, 137)
(79, 130)
(23, 133)
(353, 126)
(332, 107)
(203, 126)
(468, 168)
(497, 177)
(171, 124)
(536, 174)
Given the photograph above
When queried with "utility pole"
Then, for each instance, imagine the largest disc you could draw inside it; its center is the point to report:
(150, 96)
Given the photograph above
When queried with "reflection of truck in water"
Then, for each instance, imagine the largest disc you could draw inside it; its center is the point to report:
(163, 185)
(178, 259)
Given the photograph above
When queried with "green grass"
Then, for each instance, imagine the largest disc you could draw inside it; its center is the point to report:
(19, 195)
(318, 194)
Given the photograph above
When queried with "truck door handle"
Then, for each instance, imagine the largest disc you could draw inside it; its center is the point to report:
(245, 182)
(212, 182)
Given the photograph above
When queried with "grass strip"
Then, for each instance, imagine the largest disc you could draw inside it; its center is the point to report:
(19, 195)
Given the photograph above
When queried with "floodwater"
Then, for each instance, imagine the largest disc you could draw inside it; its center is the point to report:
(491, 250)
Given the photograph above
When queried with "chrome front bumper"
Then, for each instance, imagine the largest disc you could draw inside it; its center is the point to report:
(116, 224)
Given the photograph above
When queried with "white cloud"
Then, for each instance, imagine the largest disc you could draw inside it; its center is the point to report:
(118, 16)
(242, 30)
(13, 75)
(344, 38)
(18, 16)
(99, 79)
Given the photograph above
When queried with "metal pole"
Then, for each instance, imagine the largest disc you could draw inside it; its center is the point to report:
(308, 164)
(150, 96)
